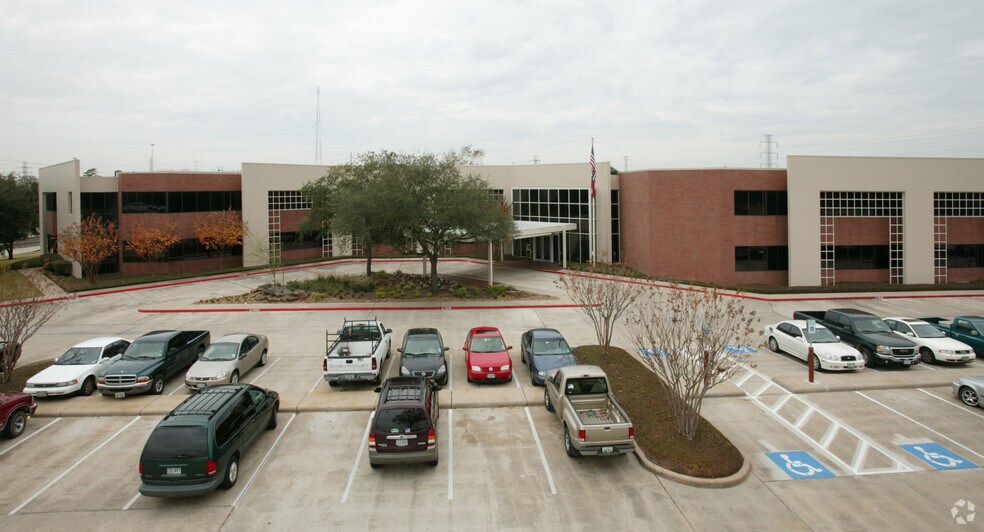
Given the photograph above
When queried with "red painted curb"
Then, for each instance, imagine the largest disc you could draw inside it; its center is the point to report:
(353, 309)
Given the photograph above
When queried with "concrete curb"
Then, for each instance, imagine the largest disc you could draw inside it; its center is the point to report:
(697, 482)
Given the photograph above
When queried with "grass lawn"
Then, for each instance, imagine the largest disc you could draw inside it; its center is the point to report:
(641, 394)
(18, 257)
(16, 284)
(21, 374)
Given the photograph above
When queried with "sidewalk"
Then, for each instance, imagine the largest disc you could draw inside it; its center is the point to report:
(46, 286)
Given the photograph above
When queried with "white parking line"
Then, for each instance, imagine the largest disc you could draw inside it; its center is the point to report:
(179, 387)
(539, 448)
(316, 383)
(133, 500)
(29, 436)
(515, 379)
(70, 469)
(266, 369)
(450, 457)
(358, 458)
(978, 364)
(954, 405)
(264, 461)
(890, 409)
(924, 365)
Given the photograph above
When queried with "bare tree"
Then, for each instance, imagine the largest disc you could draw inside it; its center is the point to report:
(694, 340)
(603, 299)
(19, 320)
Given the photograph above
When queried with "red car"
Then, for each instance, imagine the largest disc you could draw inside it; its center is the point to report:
(487, 356)
(15, 409)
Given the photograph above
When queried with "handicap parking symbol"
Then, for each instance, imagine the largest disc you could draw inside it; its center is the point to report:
(938, 456)
(799, 465)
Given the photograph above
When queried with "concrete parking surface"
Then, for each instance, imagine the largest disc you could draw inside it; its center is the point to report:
(502, 464)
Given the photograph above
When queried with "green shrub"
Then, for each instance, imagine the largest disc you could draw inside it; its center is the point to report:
(63, 268)
(460, 292)
(380, 293)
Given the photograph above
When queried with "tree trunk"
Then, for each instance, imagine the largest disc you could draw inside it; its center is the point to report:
(433, 259)
(10, 250)
(369, 259)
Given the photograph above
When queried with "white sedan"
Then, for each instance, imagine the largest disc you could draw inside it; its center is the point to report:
(76, 370)
(933, 344)
(792, 337)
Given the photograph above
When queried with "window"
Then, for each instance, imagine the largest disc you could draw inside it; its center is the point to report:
(958, 204)
(174, 202)
(297, 240)
(760, 203)
(168, 443)
(861, 257)
(761, 258)
(70, 202)
(557, 205)
(50, 201)
(965, 256)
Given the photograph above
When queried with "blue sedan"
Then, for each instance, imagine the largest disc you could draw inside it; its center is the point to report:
(545, 350)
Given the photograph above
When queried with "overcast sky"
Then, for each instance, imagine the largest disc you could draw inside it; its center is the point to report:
(666, 83)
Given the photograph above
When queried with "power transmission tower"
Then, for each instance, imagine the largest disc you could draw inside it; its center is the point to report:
(317, 130)
(770, 154)
(24, 171)
(625, 163)
(536, 160)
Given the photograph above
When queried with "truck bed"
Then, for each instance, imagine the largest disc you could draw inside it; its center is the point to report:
(597, 410)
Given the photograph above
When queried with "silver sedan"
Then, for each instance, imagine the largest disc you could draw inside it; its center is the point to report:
(226, 360)
(969, 390)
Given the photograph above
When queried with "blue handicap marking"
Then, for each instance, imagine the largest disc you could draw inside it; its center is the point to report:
(799, 465)
(938, 456)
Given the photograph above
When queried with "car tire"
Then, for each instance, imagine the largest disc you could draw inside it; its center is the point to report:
(88, 386)
(546, 401)
(969, 396)
(272, 424)
(568, 446)
(16, 424)
(231, 473)
(434, 462)
(817, 366)
(375, 466)
(379, 378)
(234, 378)
(927, 355)
(263, 359)
(532, 378)
(868, 356)
(774, 345)
(157, 387)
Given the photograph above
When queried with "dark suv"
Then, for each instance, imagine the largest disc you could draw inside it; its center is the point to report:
(404, 428)
(198, 446)
(422, 355)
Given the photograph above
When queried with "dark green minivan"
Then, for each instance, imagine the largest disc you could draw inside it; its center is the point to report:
(198, 446)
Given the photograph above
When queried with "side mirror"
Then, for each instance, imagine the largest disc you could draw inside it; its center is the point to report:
(849, 328)
(55, 359)
(399, 349)
(508, 347)
(435, 388)
(464, 348)
(339, 331)
(171, 352)
(974, 333)
(910, 334)
(838, 337)
(801, 339)
(378, 389)
(243, 355)
(446, 348)
(388, 331)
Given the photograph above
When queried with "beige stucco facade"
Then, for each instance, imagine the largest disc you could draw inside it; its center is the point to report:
(916, 178)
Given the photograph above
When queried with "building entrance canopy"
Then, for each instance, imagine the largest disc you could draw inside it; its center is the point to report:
(526, 229)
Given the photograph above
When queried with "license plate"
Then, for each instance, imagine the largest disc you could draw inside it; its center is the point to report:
(401, 443)
(174, 471)
(907, 362)
(490, 376)
(347, 377)
(608, 449)
(200, 385)
(854, 365)
(41, 394)
(120, 395)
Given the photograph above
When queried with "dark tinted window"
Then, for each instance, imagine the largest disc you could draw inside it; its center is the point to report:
(586, 385)
(965, 256)
(761, 258)
(760, 203)
(861, 257)
(402, 420)
(177, 442)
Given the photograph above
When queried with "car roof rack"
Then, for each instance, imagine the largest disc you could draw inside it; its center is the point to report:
(404, 393)
(205, 403)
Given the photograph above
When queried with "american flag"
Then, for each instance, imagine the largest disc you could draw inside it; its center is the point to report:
(593, 177)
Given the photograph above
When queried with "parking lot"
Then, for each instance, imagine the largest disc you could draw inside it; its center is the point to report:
(848, 439)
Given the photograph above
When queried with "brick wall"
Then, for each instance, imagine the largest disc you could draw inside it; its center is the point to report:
(681, 223)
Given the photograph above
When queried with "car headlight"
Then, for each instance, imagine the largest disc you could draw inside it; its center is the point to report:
(541, 373)
(883, 349)
(188, 375)
(404, 371)
(504, 368)
(220, 375)
(442, 369)
(67, 383)
(476, 368)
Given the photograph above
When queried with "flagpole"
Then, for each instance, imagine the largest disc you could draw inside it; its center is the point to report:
(591, 209)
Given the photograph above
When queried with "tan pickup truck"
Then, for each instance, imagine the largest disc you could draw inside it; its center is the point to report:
(594, 424)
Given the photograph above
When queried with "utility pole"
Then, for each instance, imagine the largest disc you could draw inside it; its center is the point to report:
(625, 163)
(317, 130)
(151, 157)
(536, 160)
(24, 170)
(770, 156)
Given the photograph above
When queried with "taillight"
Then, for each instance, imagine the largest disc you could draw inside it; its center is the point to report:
(324, 364)
(372, 440)
(580, 434)
(141, 469)
(374, 364)
(431, 438)
(631, 431)
(211, 468)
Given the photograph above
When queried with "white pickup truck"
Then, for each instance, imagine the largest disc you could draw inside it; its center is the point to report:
(356, 352)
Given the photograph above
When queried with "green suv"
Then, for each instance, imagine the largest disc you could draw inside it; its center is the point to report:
(198, 446)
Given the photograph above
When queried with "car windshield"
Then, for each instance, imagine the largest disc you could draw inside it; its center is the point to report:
(402, 420)
(871, 325)
(423, 345)
(144, 350)
(822, 336)
(79, 355)
(487, 344)
(924, 330)
(221, 351)
(169, 443)
(551, 346)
